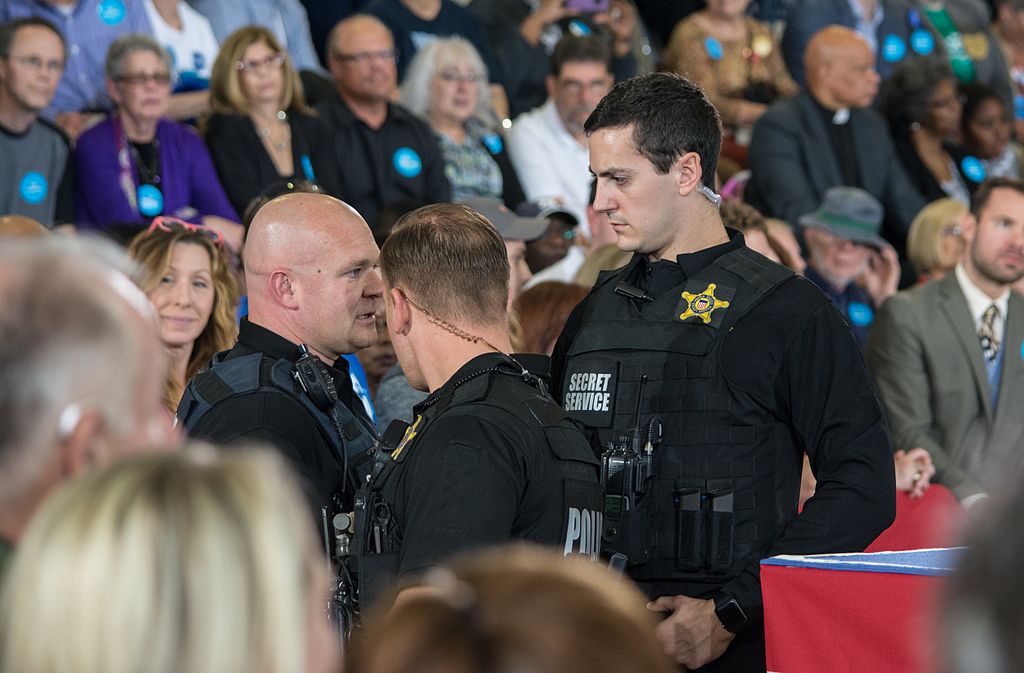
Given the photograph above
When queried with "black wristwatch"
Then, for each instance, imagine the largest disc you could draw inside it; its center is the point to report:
(729, 612)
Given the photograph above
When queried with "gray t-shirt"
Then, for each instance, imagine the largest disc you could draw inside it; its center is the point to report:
(34, 166)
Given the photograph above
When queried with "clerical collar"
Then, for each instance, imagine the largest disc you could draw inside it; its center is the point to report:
(841, 116)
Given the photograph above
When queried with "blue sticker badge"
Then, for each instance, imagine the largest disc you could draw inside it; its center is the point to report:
(492, 141)
(914, 18)
(1018, 106)
(33, 187)
(111, 12)
(860, 313)
(579, 28)
(151, 201)
(893, 48)
(198, 60)
(973, 168)
(922, 42)
(307, 168)
(1022, 350)
(407, 162)
(713, 47)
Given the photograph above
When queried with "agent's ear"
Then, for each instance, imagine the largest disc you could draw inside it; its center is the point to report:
(687, 172)
(400, 316)
(282, 289)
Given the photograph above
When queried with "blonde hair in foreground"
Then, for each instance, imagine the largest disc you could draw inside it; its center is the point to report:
(515, 609)
(192, 562)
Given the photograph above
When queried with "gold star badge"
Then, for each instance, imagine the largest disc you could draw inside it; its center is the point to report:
(702, 304)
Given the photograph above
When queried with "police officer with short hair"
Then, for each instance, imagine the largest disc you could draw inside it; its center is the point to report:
(489, 457)
(713, 370)
(313, 285)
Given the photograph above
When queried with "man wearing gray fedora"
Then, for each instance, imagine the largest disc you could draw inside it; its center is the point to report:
(847, 258)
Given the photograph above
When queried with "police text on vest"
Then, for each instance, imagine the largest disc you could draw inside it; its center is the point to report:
(583, 534)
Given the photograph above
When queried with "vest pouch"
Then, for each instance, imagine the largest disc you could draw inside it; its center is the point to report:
(689, 538)
(721, 519)
(377, 576)
(630, 532)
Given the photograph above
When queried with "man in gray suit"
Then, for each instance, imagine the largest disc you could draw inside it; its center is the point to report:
(827, 136)
(948, 359)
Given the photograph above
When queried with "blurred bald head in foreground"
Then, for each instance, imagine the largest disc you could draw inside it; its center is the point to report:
(81, 369)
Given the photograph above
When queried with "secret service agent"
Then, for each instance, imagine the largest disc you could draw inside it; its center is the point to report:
(490, 458)
(250, 393)
(747, 367)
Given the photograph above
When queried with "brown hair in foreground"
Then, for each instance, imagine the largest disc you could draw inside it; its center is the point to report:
(514, 609)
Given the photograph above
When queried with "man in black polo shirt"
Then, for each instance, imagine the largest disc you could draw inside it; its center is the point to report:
(387, 155)
(311, 274)
(730, 369)
(489, 456)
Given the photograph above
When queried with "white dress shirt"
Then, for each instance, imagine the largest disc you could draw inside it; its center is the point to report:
(550, 162)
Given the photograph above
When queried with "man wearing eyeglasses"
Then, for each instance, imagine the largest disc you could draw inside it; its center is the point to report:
(547, 145)
(89, 27)
(386, 154)
(33, 152)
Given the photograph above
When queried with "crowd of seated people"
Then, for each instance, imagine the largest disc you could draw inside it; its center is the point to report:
(880, 142)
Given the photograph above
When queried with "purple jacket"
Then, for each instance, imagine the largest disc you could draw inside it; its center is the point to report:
(188, 179)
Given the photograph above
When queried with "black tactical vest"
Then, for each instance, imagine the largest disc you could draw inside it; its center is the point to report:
(505, 390)
(256, 372)
(710, 505)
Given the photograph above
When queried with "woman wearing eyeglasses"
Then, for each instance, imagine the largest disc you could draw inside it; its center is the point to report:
(447, 85)
(923, 107)
(195, 293)
(138, 164)
(262, 132)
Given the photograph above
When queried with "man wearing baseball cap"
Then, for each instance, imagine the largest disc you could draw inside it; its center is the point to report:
(847, 258)
(516, 231)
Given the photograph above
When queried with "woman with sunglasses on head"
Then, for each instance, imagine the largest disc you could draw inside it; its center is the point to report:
(261, 130)
(138, 164)
(195, 293)
(447, 85)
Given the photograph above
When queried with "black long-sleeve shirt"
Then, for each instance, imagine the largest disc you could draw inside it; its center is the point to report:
(794, 355)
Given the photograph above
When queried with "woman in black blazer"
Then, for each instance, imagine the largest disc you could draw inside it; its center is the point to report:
(261, 131)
